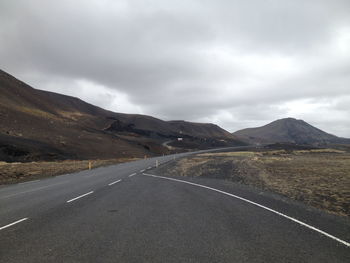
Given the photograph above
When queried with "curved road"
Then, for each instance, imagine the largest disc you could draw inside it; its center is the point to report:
(124, 213)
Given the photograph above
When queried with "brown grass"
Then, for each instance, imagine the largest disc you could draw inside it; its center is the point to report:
(320, 178)
(19, 172)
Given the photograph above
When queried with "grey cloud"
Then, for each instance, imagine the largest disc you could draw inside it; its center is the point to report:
(233, 62)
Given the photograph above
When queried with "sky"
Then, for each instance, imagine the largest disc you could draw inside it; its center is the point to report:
(235, 63)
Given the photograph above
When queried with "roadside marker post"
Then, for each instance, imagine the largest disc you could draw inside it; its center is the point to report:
(89, 165)
(157, 163)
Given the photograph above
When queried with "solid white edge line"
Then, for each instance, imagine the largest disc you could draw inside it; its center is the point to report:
(256, 204)
(80, 196)
(18, 221)
(132, 174)
(33, 190)
(114, 182)
(29, 182)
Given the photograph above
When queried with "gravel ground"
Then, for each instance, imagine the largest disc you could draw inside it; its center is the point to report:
(318, 178)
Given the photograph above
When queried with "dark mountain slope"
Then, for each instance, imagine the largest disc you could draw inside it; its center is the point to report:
(37, 125)
(288, 130)
(46, 125)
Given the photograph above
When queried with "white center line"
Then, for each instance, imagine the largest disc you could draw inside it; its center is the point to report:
(80, 196)
(258, 205)
(19, 221)
(131, 175)
(114, 182)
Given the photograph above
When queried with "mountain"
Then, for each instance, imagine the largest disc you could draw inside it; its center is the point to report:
(42, 125)
(289, 130)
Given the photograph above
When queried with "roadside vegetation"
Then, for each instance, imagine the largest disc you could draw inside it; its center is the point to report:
(317, 177)
(20, 172)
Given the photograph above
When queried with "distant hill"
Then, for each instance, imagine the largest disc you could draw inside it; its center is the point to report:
(289, 130)
(42, 125)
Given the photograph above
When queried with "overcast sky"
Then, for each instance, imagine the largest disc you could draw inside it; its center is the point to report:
(234, 63)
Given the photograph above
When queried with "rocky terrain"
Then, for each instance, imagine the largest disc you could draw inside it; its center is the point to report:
(39, 125)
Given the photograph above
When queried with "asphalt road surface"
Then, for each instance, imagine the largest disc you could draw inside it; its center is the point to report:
(124, 213)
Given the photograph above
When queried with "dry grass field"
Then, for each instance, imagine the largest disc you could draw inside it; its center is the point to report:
(19, 172)
(319, 177)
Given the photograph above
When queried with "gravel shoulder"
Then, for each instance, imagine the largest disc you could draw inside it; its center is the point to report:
(316, 177)
(21, 172)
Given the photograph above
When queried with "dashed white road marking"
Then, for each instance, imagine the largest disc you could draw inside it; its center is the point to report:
(14, 223)
(131, 175)
(114, 182)
(80, 196)
(150, 167)
(258, 205)
(142, 171)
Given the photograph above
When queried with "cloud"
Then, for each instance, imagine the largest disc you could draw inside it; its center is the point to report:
(236, 63)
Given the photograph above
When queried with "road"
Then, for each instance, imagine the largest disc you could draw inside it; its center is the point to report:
(127, 213)
(166, 144)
